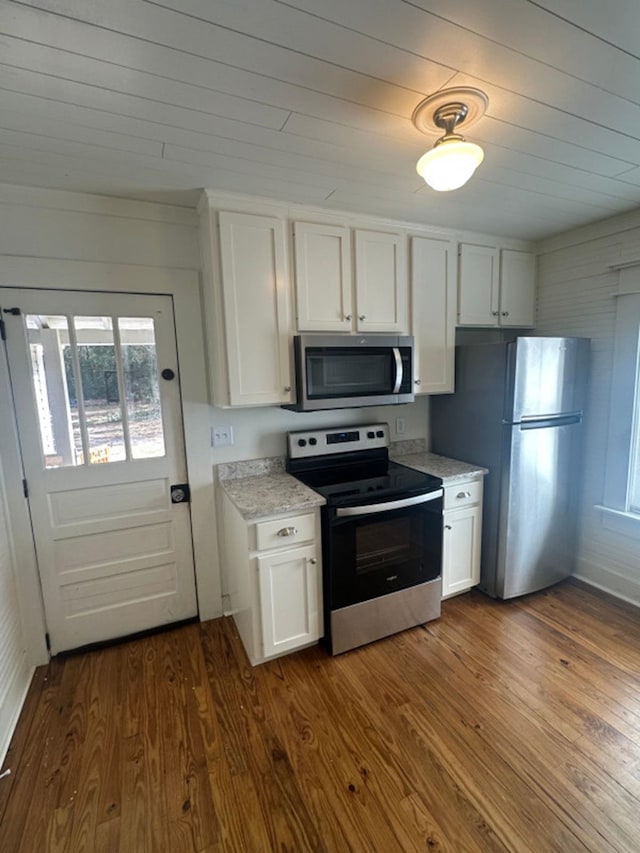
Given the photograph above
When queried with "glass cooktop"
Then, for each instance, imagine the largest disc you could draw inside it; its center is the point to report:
(373, 481)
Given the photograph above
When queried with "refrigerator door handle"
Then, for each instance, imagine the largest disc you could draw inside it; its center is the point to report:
(543, 423)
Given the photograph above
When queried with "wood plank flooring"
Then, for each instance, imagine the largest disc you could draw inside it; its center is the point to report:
(500, 727)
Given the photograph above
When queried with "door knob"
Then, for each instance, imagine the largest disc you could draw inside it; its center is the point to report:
(180, 493)
(362, 317)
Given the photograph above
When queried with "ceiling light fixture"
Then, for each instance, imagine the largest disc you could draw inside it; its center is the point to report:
(452, 160)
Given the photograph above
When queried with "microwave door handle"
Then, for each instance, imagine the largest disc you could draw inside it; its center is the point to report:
(388, 505)
(398, 359)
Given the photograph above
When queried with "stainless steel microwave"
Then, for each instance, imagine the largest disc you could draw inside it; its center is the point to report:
(347, 371)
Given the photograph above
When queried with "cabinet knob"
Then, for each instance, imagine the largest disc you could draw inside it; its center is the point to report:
(447, 527)
(496, 313)
(505, 313)
(362, 316)
(287, 389)
(417, 381)
(287, 531)
(313, 561)
(348, 316)
(463, 495)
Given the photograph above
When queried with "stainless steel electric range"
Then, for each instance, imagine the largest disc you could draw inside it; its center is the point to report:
(381, 533)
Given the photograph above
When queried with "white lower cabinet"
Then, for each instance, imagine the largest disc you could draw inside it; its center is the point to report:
(462, 519)
(289, 603)
(274, 573)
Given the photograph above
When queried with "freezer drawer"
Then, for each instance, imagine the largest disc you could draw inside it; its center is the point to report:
(539, 493)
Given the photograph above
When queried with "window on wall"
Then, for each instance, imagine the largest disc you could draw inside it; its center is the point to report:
(621, 509)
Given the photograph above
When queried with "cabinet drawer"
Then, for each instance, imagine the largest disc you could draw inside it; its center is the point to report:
(282, 532)
(462, 494)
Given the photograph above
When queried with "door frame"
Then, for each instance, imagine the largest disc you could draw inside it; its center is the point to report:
(184, 287)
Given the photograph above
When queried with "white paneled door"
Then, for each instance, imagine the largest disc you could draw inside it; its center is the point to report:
(97, 400)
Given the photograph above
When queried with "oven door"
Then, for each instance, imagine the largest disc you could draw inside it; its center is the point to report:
(381, 548)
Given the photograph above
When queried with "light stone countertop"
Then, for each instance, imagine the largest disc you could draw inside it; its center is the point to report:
(270, 494)
(450, 471)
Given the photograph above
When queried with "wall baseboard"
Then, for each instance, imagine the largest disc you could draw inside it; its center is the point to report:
(608, 581)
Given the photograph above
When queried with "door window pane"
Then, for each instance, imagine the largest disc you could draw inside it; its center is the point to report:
(99, 376)
(142, 390)
(54, 389)
(96, 388)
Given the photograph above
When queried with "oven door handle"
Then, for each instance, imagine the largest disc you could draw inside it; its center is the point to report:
(388, 505)
(398, 358)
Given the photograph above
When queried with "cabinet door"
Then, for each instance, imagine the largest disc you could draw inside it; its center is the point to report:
(433, 313)
(381, 283)
(289, 599)
(257, 319)
(461, 550)
(478, 303)
(323, 277)
(517, 288)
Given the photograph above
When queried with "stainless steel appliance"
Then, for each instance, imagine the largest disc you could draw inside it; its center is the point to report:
(344, 371)
(381, 533)
(518, 410)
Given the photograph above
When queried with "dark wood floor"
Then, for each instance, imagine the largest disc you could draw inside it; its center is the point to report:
(500, 727)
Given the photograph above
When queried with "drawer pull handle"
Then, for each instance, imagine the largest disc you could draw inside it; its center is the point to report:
(463, 495)
(287, 531)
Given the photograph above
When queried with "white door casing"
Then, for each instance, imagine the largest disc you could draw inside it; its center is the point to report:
(115, 556)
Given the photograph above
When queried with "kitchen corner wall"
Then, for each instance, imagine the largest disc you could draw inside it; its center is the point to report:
(576, 288)
(41, 225)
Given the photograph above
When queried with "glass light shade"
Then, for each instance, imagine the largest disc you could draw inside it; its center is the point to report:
(450, 164)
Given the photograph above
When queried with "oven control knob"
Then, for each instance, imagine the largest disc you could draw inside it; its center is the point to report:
(313, 441)
(380, 434)
(302, 442)
(371, 435)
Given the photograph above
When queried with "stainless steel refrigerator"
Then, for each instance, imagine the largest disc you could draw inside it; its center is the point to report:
(518, 410)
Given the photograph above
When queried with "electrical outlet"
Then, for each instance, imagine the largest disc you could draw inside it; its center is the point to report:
(400, 426)
(221, 436)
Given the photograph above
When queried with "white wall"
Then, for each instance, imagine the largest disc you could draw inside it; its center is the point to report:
(15, 668)
(576, 297)
(262, 432)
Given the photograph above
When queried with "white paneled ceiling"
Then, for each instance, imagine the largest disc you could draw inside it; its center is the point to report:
(311, 101)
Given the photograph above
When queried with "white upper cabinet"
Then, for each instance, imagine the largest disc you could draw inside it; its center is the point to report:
(328, 301)
(478, 282)
(256, 303)
(433, 313)
(517, 288)
(323, 277)
(381, 282)
(352, 277)
(495, 288)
